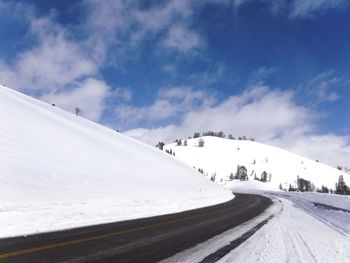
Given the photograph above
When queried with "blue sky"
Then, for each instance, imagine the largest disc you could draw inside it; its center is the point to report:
(157, 70)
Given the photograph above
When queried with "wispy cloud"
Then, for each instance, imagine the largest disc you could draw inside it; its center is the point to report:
(308, 8)
(326, 87)
(298, 9)
(262, 74)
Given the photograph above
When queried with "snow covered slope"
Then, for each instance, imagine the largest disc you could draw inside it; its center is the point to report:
(221, 157)
(58, 170)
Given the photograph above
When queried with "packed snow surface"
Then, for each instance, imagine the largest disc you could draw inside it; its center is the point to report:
(221, 157)
(298, 232)
(301, 232)
(58, 170)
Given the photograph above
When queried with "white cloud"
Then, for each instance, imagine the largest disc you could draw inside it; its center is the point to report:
(328, 148)
(90, 96)
(105, 24)
(111, 24)
(52, 64)
(170, 102)
(55, 63)
(271, 116)
(258, 112)
(182, 39)
(163, 16)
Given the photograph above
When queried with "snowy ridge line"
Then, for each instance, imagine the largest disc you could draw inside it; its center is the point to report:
(201, 251)
(330, 207)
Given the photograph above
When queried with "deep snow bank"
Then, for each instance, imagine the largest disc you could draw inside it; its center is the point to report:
(58, 170)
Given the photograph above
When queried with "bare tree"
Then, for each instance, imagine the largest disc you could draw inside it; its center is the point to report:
(77, 110)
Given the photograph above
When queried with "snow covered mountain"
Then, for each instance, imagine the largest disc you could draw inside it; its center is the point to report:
(58, 170)
(218, 159)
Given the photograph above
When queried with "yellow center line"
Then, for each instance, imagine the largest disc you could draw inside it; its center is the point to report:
(87, 239)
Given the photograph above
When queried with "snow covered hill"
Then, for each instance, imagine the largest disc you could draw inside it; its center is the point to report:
(58, 171)
(219, 158)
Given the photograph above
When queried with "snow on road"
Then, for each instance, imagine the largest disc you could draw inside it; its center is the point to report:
(298, 232)
(296, 235)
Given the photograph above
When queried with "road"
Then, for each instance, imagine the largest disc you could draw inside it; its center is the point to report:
(141, 240)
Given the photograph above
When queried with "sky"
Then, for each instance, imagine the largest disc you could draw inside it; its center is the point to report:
(278, 71)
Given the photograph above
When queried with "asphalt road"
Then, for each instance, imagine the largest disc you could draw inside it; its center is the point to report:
(141, 240)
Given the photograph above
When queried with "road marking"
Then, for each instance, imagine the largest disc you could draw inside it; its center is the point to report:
(87, 239)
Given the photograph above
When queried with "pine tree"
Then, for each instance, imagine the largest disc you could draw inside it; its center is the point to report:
(341, 187)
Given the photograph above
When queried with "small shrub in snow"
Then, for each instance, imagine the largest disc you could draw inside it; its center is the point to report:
(179, 142)
(160, 145)
(292, 189)
(200, 142)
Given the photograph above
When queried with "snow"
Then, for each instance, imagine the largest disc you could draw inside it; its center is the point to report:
(338, 219)
(58, 171)
(221, 156)
(299, 231)
(202, 250)
(251, 186)
(294, 234)
(340, 201)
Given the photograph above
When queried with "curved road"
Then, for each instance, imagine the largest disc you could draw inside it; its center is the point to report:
(142, 240)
